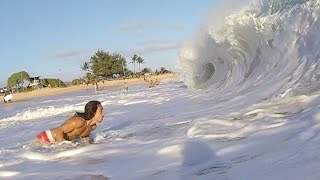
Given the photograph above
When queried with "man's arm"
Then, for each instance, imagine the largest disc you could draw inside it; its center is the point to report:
(86, 137)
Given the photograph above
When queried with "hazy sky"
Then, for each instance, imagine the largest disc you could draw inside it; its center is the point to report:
(52, 38)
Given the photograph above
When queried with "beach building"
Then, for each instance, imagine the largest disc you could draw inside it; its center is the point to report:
(35, 82)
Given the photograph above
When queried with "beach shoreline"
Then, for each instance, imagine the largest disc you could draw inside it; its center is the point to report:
(55, 91)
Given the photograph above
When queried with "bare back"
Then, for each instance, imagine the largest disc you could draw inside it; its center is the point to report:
(74, 127)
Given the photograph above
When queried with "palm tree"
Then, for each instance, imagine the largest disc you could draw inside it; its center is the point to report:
(134, 60)
(85, 66)
(140, 60)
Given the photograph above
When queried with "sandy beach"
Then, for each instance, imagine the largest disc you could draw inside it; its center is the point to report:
(55, 91)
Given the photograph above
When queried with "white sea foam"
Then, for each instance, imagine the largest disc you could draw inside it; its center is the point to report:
(38, 113)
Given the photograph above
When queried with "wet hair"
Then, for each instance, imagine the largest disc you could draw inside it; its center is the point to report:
(89, 110)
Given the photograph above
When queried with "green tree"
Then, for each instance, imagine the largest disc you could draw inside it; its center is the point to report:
(128, 72)
(146, 70)
(18, 79)
(76, 81)
(164, 70)
(90, 78)
(54, 82)
(120, 64)
(106, 64)
(140, 60)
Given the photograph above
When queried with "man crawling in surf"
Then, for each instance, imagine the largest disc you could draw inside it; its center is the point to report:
(78, 126)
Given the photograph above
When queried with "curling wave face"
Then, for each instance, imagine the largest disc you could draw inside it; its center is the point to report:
(271, 45)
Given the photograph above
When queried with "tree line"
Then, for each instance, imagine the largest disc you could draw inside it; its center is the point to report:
(102, 65)
(21, 81)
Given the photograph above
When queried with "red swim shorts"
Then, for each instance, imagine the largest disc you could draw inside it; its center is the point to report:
(45, 136)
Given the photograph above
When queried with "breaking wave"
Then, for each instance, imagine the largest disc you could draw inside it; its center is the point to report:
(272, 45)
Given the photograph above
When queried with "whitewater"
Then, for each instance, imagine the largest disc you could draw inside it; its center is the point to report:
(247, 106)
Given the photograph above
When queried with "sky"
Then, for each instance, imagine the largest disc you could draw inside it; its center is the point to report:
(53, 38)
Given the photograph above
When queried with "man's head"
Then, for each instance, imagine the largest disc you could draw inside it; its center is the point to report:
(99, 115)
(93, 109)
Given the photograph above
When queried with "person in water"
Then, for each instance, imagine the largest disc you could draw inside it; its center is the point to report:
(7, 96)
(78, 126)
(126, 88)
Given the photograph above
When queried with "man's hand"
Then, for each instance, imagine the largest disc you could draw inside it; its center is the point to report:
(87, 140)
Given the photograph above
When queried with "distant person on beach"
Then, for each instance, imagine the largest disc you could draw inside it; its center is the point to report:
(96, 87)
(157, 82)
(145, 77)
(78, 126)
(126, 88)
(7, 96)
(151, 84)
(154, 83)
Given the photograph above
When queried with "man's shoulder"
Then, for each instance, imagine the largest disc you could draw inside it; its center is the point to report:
(76, 120)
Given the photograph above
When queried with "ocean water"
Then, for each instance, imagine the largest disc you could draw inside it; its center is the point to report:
(247, 106)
